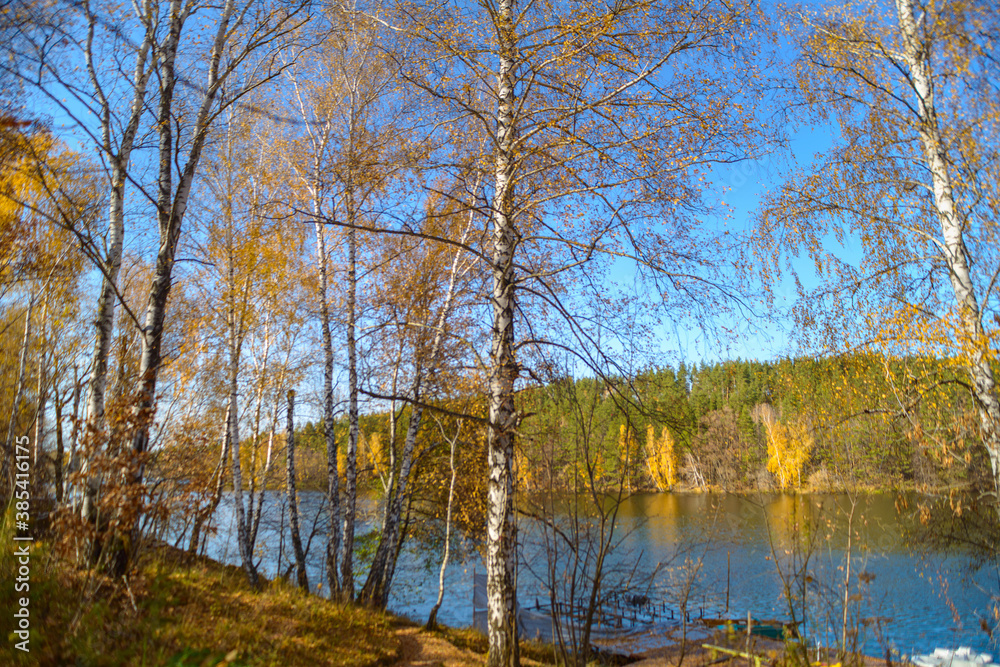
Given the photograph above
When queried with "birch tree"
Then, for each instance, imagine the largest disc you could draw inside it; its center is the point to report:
(195, 53)
(424, 300)
(293, 501)
(250, 263)
(115, 153)
(244, 39)
(352, 150)
(43, 190)
(913, 184)
(598, 117)
(86, 31)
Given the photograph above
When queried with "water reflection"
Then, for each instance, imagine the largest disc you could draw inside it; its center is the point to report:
(912, 602)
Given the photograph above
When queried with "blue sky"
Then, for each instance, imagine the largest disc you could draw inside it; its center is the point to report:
(742, 186)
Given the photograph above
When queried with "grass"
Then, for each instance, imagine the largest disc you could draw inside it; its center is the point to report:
(181, 610)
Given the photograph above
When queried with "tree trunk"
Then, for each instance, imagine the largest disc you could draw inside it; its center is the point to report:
(432, 617)
(203, 515)
(293, 501)
(104, 321)
(351, 465)
(267, 470)
(376, 589)
(262, 379)
(57, 463)
(242, 527)
(8, 455)
(41, 398)
(500, 529)
(332, 478)
(973, 336)
(171, 204)
(375, 593)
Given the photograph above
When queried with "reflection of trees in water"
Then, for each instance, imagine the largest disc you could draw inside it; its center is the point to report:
(962, 522)
(678, 531)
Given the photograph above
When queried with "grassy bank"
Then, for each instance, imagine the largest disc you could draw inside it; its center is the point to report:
(179, 610)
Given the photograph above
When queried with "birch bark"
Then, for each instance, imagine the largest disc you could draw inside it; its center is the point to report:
(8, 458)
(351, 463)
(105, 317)
(119, 158)
(205, 513)
(171, 205)
(916, 54)
(500, 529)
(453, 445)
(236, 325)
(332, 476)
(293, 501)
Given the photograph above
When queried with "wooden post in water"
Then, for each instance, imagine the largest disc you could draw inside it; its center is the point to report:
(727, 581)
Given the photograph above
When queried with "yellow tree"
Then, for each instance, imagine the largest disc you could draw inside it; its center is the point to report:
(43, 191)
(661, 458)
(353, 147)
(425, 296)
(788, 446)
(250, 261)
(628, 453)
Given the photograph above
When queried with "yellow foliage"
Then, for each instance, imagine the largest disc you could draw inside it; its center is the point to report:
(661, 458)
(628, 451)
(788, 449)
(42, 188)
(376, 454)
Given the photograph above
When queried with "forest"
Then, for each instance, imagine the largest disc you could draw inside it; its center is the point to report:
(449, 257)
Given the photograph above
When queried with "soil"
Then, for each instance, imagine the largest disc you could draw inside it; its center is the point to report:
(424, 649)
(418, 648)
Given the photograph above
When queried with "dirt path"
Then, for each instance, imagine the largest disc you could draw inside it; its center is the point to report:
(423, 649)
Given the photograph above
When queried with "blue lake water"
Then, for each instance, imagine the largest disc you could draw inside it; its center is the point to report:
(717, 555)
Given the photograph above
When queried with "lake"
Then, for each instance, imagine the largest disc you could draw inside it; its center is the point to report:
(723, 550)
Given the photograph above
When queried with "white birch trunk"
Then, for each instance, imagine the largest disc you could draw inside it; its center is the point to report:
(267, 470)
(500, 529)
(332, 477)
(235, 324)
(204, 514)
(973, 336)
(293, 501)
(8, 458)
(351, 464)
(41, 388)
(104, 322)
(432, 617)
(375, 592)
(242, 529)
(57, 463)
(256, 510)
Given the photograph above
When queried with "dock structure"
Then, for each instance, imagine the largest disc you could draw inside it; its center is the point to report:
(623, 623)
(618, 613)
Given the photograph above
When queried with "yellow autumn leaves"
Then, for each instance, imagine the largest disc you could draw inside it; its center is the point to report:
(661, 458)
(788, 446)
